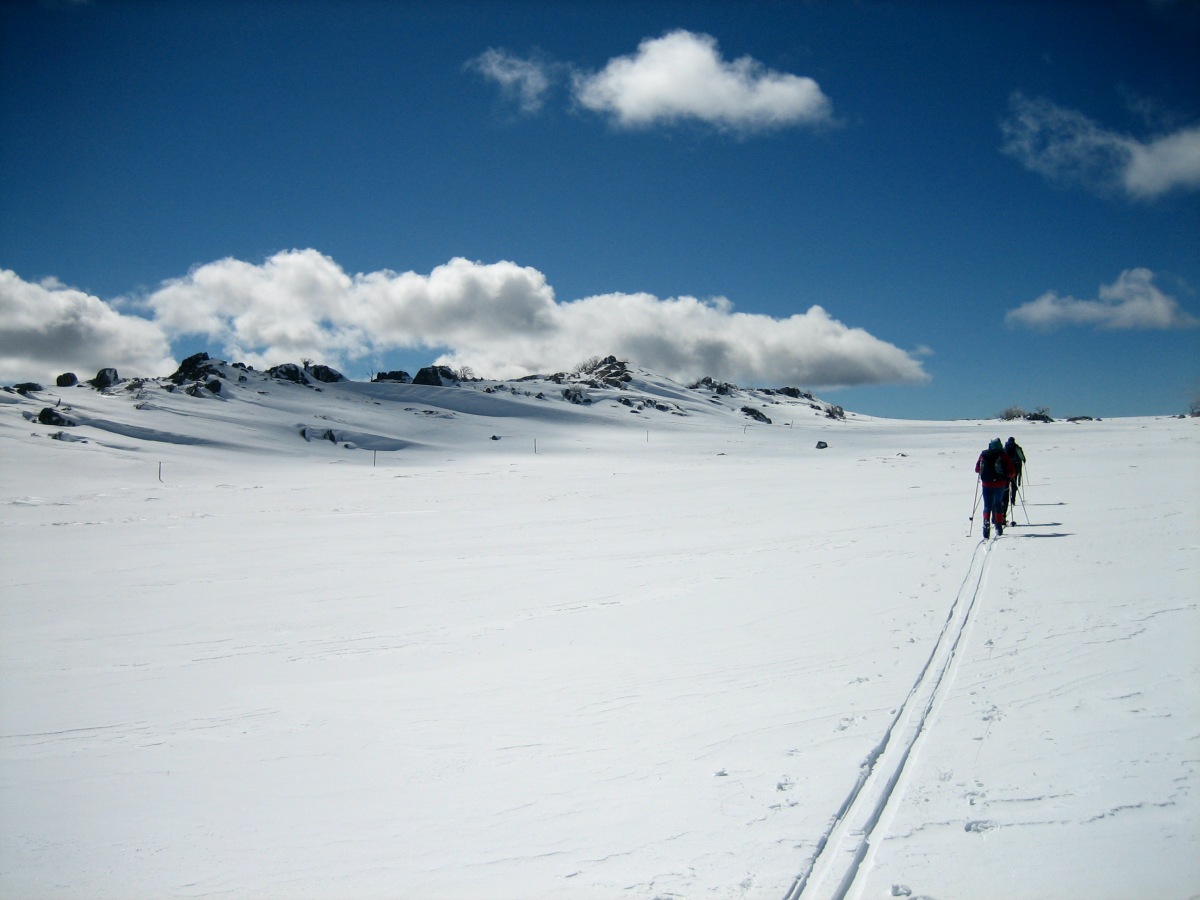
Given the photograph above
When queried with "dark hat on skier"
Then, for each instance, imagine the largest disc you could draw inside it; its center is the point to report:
(996, 445)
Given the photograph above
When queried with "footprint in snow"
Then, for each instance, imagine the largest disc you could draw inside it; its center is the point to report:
(979, 826)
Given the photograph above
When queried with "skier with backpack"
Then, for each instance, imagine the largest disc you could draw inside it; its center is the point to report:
(995, 472)
(1017, 456)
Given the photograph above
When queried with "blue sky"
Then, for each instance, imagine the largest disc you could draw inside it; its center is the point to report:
(920, 210)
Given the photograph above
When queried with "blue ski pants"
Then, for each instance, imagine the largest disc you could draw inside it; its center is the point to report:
(995, 504)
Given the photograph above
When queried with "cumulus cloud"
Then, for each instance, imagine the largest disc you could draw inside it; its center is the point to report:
(682, 76)
(503, 320)
(1067, 147)
(523, 81)
(1131, 302)
(47, 328)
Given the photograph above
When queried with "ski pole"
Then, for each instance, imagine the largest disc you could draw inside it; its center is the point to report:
(971, 521)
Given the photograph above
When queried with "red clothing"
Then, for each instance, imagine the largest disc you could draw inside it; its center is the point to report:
(987, 472)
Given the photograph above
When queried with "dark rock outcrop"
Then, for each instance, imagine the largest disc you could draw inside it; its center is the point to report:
(67, 379)
(288, 372)
(105, 378)
(399, 376)
(756, 414)
(51, 416)
(324, 374)
(795, 393)
(438, 376)
(724, 388)
(195, 368)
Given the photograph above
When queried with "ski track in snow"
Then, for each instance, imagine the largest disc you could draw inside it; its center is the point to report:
(842, 850)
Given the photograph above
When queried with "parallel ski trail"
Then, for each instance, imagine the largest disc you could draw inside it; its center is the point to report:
(841, 850)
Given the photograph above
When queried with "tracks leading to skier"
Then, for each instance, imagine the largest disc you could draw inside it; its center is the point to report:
(844, 846)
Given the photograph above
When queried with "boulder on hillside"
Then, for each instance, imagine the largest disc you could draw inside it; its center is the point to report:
(607, 372)
(324, 374)
(51, 416)
(105, 378)
(196, 367)
(67, 379)
(398, 376)
(288, 372)
(795, 393)
(756, 414)
(28, 387)
(438, 376)
(724, 388)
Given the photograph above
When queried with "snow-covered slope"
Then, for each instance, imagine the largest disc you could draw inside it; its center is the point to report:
(395, 640)
(217, 404)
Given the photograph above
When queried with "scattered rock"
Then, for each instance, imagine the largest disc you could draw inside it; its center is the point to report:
(821, 445)
(51, 416)
(67, 379)
(724, 388)
(28, 387)
(756, 414)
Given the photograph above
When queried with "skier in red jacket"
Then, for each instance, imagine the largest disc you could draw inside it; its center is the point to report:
(995, 470)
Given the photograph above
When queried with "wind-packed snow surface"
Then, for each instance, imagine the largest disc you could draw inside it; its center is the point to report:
(388, 640)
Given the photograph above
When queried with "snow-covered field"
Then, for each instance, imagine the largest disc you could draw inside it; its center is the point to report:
(462, 642)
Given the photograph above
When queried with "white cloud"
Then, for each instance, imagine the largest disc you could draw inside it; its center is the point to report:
(1131, 302)
(47, 328)
(503, 321)
(1067, 147)
(1164, 164)
(523, 81)
(682, 76)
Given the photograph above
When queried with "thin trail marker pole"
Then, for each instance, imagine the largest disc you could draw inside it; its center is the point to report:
(160, 472)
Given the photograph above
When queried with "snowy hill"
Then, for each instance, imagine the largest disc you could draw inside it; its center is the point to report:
(290, 404)
(590, 635)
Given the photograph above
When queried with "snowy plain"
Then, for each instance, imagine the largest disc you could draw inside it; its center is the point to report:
(392, 640)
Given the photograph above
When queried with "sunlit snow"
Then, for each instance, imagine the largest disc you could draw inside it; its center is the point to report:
(392, 640)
